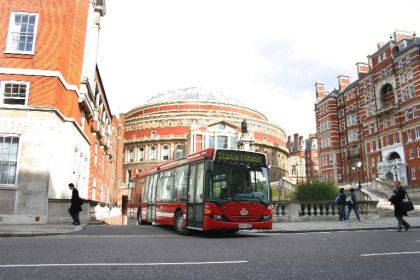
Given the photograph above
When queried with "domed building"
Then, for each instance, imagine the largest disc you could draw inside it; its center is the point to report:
(180, 122)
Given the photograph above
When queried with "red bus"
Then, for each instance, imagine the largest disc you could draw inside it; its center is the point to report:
(212, 190)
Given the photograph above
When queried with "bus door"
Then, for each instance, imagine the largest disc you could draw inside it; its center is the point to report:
(196, 196)
(151, 198)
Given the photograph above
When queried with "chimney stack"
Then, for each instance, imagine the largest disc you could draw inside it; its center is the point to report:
(362, 69)
(295, 142)
(343, 82)
(401, 35)
(289, 143)
(300, 143)
(319, 89)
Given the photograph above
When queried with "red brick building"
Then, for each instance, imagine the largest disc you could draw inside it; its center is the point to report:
(370, 128)
(180, 122)
(56, 126)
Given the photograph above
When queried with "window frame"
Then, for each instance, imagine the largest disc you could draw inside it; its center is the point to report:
(13, 184)
(9, 40)
(13, 82)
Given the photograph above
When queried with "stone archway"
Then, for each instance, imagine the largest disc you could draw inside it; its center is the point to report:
(387, 94)
(393, 156)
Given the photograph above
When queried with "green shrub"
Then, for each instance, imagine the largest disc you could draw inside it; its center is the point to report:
(315, 190)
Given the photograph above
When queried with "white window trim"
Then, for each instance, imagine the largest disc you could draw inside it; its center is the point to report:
(14, 184)
(9, 34)
(2, 89)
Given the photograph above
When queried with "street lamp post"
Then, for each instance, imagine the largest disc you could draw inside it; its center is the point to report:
(359, 164)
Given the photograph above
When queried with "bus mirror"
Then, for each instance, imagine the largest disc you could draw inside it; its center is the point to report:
(209, 165)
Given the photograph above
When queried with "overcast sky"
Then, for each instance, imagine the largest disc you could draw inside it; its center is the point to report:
(268, 54)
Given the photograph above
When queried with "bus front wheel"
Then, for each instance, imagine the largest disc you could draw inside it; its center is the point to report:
(180, 224)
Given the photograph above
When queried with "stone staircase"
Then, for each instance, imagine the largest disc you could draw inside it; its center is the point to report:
(385, 208)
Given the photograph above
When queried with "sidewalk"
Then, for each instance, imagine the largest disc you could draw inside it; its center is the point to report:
(286, 227)
(352, 225)
(37, 230)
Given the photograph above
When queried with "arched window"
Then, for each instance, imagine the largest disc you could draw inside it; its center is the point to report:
(165, 152)
(153, 153)
(141, 153)
(179, 153)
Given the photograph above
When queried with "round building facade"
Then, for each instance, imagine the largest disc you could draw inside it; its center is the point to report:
(181, 122)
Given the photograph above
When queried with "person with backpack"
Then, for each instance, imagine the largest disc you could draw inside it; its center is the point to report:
(340, 200)
(352, 205)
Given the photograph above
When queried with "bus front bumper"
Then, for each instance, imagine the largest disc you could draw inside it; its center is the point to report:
(211, 224)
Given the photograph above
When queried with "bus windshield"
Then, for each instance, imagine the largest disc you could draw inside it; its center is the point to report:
(232, 182)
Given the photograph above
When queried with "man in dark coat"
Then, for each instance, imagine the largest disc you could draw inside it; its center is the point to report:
(397, 200)
(76, 205)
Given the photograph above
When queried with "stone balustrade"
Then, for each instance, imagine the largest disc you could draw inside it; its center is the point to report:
(293, 211)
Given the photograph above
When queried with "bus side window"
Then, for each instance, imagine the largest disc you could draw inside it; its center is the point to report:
(144, 191)
(167, 185)
(180, 184)
(140, 189)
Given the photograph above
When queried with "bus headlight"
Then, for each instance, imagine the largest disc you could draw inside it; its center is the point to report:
(266, 217)
(217, 217)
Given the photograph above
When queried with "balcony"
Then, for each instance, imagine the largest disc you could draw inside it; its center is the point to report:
(386, 107)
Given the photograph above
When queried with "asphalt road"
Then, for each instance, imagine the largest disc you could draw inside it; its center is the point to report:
(146, 252)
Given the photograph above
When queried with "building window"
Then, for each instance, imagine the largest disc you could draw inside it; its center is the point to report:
(165, 153)
(233, 143)
(409, 135)
(407, 58)
(411, 153)
(211, 141)
(179, 153)
(412, 91)
(131, 155)
(153, 153)
(22, 33)
(417, 132)
(418, 151)
(394, 139)
(413, 173)
(8, 159)
(14, 93)
(141, 153)
(409, 74)
(222, 142)
(402, 78)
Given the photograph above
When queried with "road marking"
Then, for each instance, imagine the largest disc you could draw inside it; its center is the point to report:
(393, 253)
(108, 236)
(115, 264)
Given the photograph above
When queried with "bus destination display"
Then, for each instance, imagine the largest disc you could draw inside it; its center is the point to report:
(240, 157)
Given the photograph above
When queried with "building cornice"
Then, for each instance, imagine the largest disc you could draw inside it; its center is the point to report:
(48, 110)
(40, 72)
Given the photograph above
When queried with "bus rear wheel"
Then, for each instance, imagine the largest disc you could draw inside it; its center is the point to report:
(180, 224)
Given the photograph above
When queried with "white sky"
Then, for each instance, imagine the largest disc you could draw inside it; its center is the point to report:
(268, 54)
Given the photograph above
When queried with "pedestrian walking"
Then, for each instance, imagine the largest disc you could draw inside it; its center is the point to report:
(397, 200)
(341, 202)
(352, 205)
(76, 204)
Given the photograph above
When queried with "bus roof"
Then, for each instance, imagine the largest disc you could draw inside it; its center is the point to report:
(209, 153)
(204, 154)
